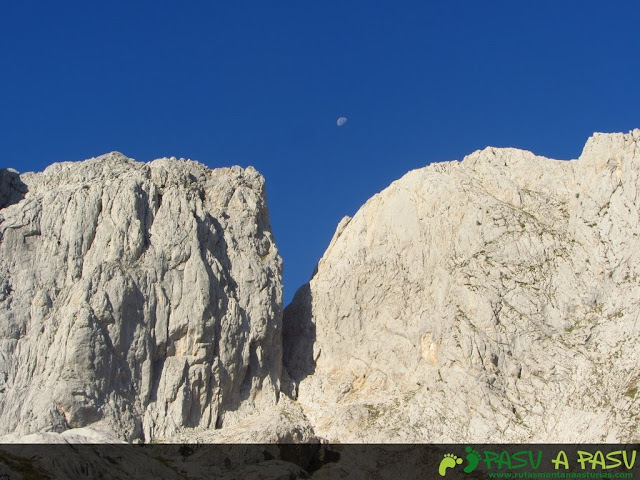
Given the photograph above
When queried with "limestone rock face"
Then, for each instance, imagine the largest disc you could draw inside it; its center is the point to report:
(489, 300)
(137, 299)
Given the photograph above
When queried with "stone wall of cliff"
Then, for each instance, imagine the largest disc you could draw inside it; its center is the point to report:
(138, 299)
(494, 299)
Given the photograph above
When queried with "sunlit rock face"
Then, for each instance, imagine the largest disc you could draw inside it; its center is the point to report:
(489, 300)
(493, 299)
(136, 299)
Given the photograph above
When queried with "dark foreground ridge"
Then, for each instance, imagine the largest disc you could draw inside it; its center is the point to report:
(289, 461)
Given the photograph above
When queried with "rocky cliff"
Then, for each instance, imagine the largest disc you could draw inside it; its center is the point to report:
(488, 300)
(494, 299)
(137, 299)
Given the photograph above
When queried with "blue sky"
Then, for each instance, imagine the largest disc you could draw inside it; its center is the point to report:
(263, 83)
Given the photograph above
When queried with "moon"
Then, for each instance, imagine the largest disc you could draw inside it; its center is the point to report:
(341, 121)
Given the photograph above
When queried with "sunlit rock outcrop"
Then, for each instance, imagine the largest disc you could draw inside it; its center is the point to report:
(493, 299)
(136, 299)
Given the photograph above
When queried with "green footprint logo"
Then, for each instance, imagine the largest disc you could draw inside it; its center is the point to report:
(473, 457)
(449, 461)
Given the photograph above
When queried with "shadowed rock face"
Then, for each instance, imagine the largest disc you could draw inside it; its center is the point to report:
(12, 189)
(494, 299)
(136, 298)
